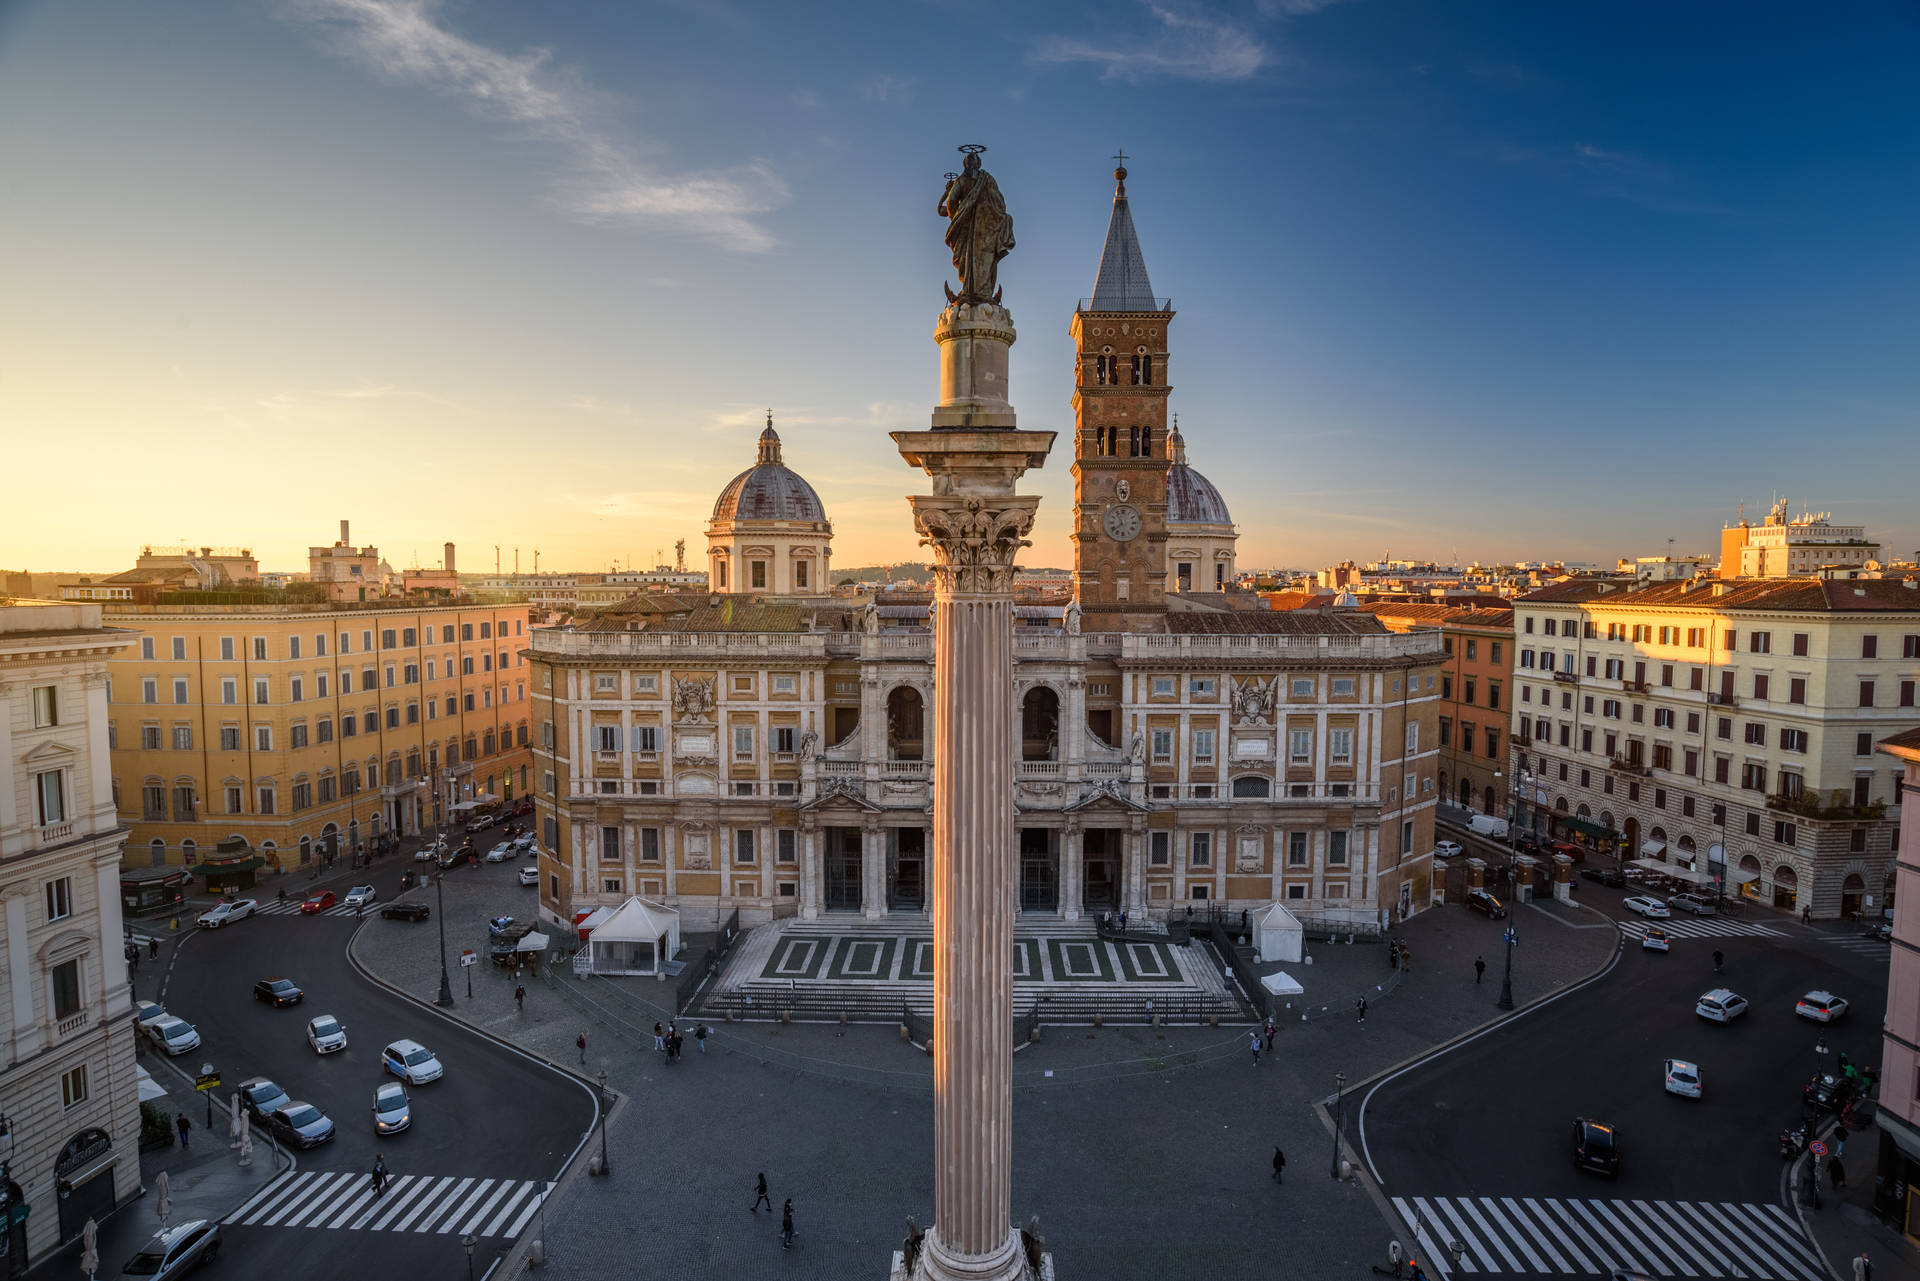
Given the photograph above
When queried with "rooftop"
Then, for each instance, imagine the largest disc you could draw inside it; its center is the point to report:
(1815, 595)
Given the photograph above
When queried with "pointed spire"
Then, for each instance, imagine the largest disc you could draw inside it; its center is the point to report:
(1122, 284)
(1176, 445)
(770, 443)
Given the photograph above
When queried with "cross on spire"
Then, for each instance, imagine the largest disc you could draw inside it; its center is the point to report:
(1120, 157)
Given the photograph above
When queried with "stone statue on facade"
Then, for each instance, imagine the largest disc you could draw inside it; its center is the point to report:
(693, 698)
(1253, 699)
(1071, 618)
(809, 745)
(1137, 747)
(870, 619)
(979, 231)
(910, 1247)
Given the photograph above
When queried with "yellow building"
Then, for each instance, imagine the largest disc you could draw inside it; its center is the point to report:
(306, 728)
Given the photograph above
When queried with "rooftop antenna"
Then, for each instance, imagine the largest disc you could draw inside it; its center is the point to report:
(536, 560)
(496, 560)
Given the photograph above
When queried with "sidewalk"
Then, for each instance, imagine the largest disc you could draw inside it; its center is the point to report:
(1845, 1225)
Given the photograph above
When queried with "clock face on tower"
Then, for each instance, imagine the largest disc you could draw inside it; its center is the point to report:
(1122, 523)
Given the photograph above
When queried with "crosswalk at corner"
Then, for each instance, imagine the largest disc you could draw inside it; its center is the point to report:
(1702, 927)
(1543, 1236)
(1859, 945)
(292, 908)
(345, 1201)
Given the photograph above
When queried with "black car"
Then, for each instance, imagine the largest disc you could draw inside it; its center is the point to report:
(1608, 876)
(1828, 1092)
(1595, 1147)
(406, 912)
(261, 1097)
(278, 991)
(301, 1125)
(1486, 904)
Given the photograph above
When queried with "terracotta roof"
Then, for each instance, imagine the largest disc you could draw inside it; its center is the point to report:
(718, 614)
(1905, 745)
(1437, 615)
(1294, 622)
(1821, 595)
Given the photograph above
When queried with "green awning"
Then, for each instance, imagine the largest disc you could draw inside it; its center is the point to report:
(1587, 827)
(228, 868)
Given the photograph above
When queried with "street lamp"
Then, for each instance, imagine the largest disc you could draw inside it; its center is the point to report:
(445, 999)
(604, 1167)
(1339, 1100)
(1512, 940)
(469, 1241)
(206, 1069)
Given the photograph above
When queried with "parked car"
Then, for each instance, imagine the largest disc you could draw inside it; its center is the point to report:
(1821, 1007)
(480, 824)
(261, 1096)
(502, 852)
(412, 1062)
(1828, 1092)
(300, 1124)
(1698, 904)
(392, 1110)
(1486, 904)
(406, 912)
(1648, 906)
(1683, 1078)
(176, 1251)
(1446, 849)
(1596, 1147)
(224, 913)
(360, 896)
(278, 992)
(1722, 1005)
(529, 876)
(1488, 825)
(1608, 876)
(173, 1034)
(325, 1034)
(318, 903)
(499, 925)
(1568, 848)
(146, 1014)
(1655, 940)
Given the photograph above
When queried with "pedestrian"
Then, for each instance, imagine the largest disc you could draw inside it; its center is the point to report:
(761, 1194)
(153, 948)
(379, 1175)
(659, 1038)
(674, 1042)
(1361, 1005)
(1269, 1036)
(1479, 968)
(1253, 1043)
(700, 1037)
(1806, 918)
(184, 1126)
(1393, 954)
(1406, 961)
(1123, 919)
(1718, 958)
(582, 1043)
(786, 1224)
(1862, 1267)
(1279, 1164)
(1840, 1142)
(520, 995)
(1837, 1173)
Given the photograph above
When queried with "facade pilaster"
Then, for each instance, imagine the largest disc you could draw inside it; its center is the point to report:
(1072, 871)
(809, 870)
(873, 868)
(28, 1036)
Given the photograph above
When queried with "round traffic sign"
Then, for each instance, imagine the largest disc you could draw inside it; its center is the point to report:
(1818, 1147)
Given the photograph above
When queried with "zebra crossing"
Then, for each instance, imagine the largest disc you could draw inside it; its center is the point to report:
(292, 908)
(1541, 1236)
(1859, 945)
(345, 1201)
(1702, 927)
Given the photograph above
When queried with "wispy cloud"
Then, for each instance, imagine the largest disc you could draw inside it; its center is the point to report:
(1185, 41)
(295, 400)
(594, 405)
(404, 41)
(888, 88)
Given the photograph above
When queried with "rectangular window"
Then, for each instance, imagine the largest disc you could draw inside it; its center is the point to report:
(1413, 738)
(49, 797)
(259, 649)
(1303, 687)
(266, 800)
(785, 738)
(146, 647)
(1336, 849)
(46, 706)
(1300, 746)
(1760, 686)
(1866, 693)
(743, 845)
(1342, 686)
(296, 690)
(183, 738)
(1800, 644)
(73, 1087)
(1869, 647)
(646, 738)
(64, 979)
(149, 689)
(1203, 744)
(1200, 849)
(742, 741)
(1760, 643)
(59, 899)
(1158, 844)
(1341, 742)
(1163, 745)
(263, 738)
(609, 845)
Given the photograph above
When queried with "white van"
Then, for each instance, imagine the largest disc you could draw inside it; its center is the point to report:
(1488, 825)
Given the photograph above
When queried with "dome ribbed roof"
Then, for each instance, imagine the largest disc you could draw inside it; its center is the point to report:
(769, 490)
(1191, 497)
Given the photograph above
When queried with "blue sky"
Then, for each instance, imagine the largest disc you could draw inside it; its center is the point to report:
(1516, 281)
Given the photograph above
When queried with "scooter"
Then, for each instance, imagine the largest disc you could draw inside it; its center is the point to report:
(1793, 1142)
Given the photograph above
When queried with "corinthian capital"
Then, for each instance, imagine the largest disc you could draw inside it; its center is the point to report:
(974, 539)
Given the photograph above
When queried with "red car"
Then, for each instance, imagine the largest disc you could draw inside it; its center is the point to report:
(318, 903)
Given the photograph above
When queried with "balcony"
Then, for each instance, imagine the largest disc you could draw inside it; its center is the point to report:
(71, 1024)
(1568, 678)
(1840, 809)
(1636, 687)
(56, 833)
(1723, 700)
(1521, 740)
(1627, 765)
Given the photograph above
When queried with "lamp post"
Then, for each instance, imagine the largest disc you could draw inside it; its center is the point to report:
(206, 1069)
(445, 999)
(469, 1241)
(1339, 1101)
(604, 1167)
(1512, 940)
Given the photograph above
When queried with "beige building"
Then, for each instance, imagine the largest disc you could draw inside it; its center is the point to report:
(307, 728)
(769, 532)
(1727, 725)
(348, 573)
(1785, 546)
(69, 1141)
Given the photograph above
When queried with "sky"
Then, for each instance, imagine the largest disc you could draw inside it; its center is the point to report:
(1473, 280)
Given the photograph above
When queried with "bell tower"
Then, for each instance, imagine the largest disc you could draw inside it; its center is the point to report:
(1120, 438)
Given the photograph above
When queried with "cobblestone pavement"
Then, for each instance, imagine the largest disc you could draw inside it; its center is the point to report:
(1146, 1153)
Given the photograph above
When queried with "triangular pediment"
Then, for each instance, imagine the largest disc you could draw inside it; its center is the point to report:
(50, 755)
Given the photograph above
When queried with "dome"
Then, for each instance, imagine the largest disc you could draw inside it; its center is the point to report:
(769, 490)
(1191, 497)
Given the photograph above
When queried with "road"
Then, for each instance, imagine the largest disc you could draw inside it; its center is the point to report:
(486, 1138)
(1478, 1140)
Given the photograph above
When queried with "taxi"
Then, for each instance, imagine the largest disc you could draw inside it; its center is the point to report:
(1655, 940)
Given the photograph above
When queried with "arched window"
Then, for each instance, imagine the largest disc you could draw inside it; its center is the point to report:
(157, 851)
(1040, 725)
(1252, 785)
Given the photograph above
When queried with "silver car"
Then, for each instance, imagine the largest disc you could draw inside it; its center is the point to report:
(176, 1251)
(173, 1034)
(326, 1035)
(392, 1110)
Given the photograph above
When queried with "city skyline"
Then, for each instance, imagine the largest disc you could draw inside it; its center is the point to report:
(562, 264)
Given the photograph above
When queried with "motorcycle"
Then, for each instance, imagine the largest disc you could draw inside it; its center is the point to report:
(1793, 1142)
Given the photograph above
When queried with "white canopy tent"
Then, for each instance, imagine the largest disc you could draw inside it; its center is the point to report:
(533, 941)
(1280, 983)
(1673, 870)
(1278, 934)
(639, 938)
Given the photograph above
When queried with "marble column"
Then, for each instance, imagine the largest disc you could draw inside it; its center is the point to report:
(1073, 872)
(873, 869)
(975, 524)
(1136, 868)
(809, 872)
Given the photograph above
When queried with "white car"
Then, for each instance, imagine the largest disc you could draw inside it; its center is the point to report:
(360, 896)
(325, 1034)
(1821, 1007)
(222, 913)
(529, 876)
(427, 853)
(1655, 940)
(501, 852)
(1446, 849)
(524, 842)
(1648, 906)
(412, 1062)
(146, 1014)
(1683, 1078)
(173, 1034)
(1722, 1005)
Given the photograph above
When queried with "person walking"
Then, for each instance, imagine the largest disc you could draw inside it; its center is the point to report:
(153, 948)
(1393, 954)
(1406, 960)
(1269, 1036)
(1862, 1267)
(582, 1043)
(1361, 1005)
(1479, 968)
(700, 1036)
(659, 1037)
(184, 1126)
(786, 1224)
(1719, 958)
(1279, 1164)
(761, 1194)
(1837, 1173)
(1806, 917)
(520, 997)
(1253, 1043)
(379, 1175)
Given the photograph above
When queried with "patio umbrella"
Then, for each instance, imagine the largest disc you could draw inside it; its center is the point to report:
(89, 1252)
(246, 1139)
(233, 1122)
(162, 1199)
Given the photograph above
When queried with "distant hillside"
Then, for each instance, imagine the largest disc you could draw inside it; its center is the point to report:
(907, 573)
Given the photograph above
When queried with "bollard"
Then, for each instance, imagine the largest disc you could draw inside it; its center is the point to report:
(904, 1034)
(1096, 1018)
(537, 1253)
(1213, 1020)
(174, 924)
(843, 1018)
(786, 1016)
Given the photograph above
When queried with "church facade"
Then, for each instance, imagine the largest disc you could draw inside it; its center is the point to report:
(767, 749)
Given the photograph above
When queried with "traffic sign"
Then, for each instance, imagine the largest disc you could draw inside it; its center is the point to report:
(468, 958)
(207, 1081)
(1818, 1147)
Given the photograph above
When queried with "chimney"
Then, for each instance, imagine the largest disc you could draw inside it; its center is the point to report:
(343, 534)
(448, 564)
